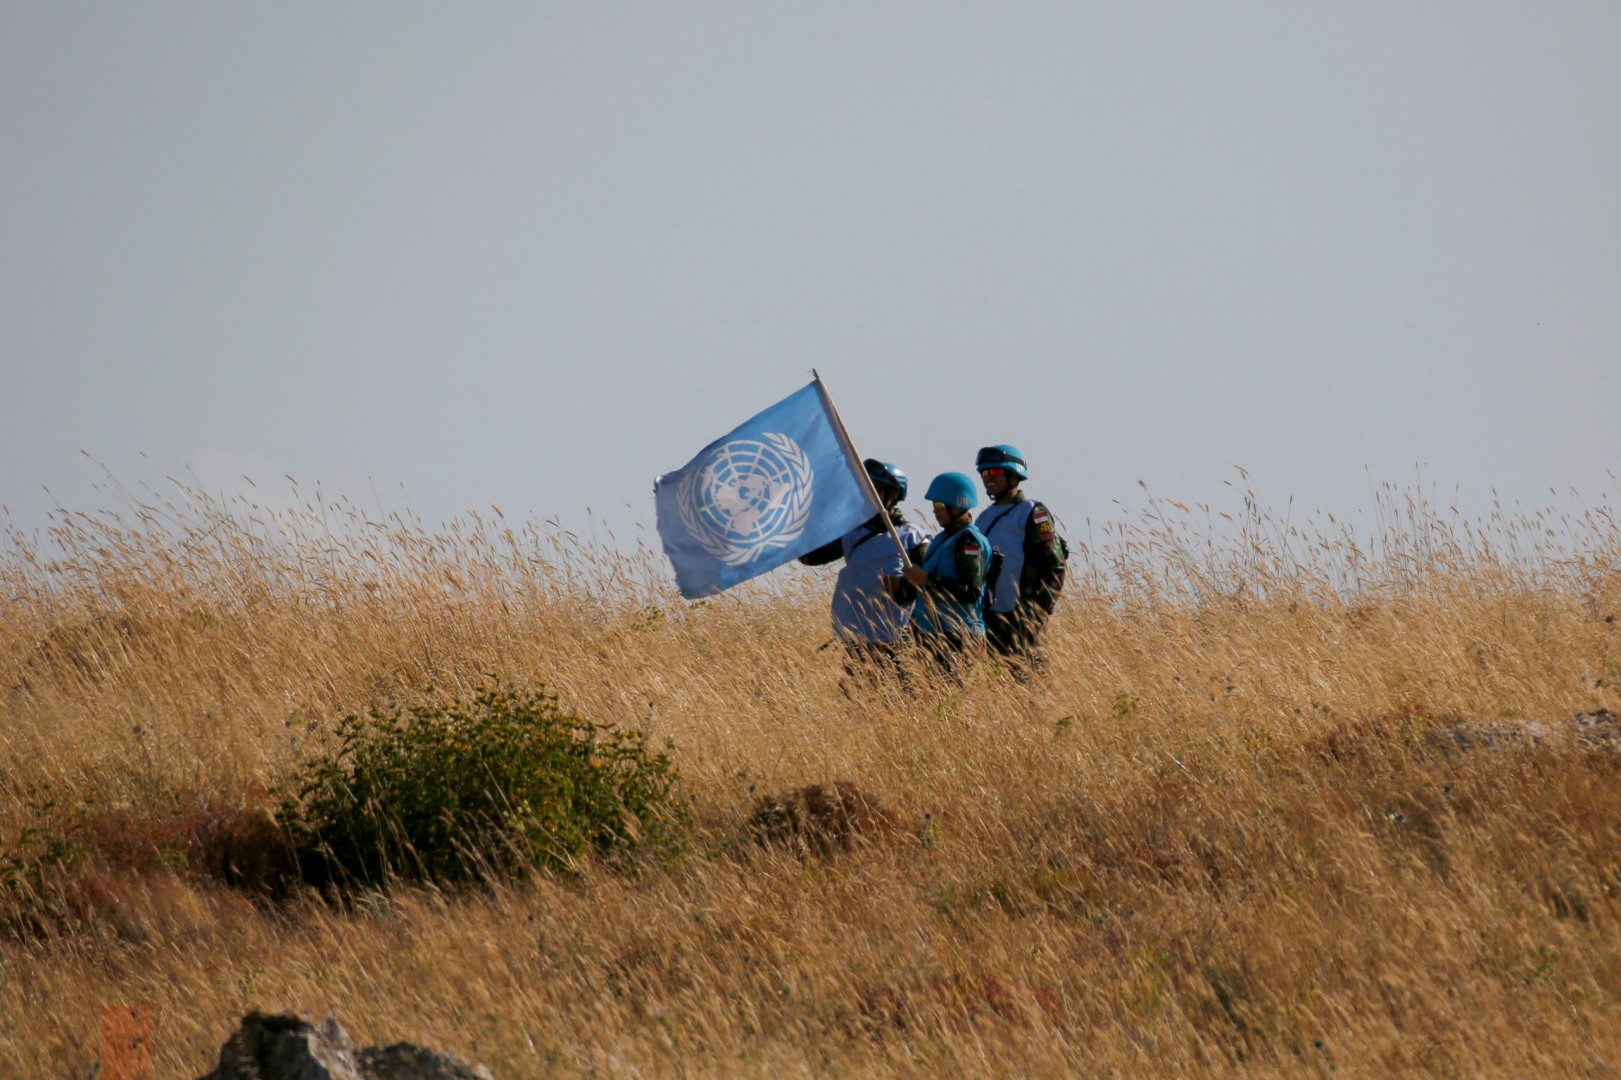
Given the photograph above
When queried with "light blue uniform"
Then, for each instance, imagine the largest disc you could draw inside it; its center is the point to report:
(1004, 526)
(861, 609)
(941, 614)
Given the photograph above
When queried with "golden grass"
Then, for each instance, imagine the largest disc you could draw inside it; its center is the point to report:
(1218, 836)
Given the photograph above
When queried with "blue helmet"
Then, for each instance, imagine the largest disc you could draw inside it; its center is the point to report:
(1003, 456)
(954, 489)
(886, 475)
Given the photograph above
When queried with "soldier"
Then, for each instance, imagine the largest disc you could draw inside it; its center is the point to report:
(870, 626)
(1033, 556)
(949, 586)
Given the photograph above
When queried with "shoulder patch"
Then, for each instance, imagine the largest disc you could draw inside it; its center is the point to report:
(1041, 520)
(969, 545)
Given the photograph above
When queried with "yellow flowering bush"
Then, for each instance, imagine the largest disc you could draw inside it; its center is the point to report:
(499, 785)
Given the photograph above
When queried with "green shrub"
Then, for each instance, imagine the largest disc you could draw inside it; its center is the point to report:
(34, 866)
(501, 784)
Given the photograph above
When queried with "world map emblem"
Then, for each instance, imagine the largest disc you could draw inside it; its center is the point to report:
(748, 498)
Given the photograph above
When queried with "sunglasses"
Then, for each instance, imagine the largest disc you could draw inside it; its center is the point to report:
(993, 472)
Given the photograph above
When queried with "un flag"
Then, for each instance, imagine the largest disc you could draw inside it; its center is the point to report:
(784, 482)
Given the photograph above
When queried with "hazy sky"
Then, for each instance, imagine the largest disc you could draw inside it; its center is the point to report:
(534, 254)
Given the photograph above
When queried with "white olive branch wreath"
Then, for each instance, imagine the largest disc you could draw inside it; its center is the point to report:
(799, 503)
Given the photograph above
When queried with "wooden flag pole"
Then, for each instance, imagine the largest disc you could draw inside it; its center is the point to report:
(860, 469)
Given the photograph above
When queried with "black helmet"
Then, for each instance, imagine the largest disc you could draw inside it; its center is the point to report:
(886, 475)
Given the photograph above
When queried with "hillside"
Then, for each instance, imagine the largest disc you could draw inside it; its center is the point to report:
(1286, 801)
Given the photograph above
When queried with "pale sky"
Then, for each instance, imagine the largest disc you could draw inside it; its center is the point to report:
(534, 254)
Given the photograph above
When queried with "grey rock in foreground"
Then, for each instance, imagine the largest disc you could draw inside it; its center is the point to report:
(405, 1061)
(283, 1046)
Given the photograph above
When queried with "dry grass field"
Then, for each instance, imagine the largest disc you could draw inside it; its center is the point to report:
(1286, 802)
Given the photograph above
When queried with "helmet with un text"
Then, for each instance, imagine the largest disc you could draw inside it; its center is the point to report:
(886, 475)
(1002, 456)
(954, 490)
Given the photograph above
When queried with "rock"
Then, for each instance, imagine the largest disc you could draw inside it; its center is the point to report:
(1599, 731)
(818, 819)
(1476, 735)
(284, 1046)
(405, 1061)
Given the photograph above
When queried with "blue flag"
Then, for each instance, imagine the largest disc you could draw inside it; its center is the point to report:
(770, 490)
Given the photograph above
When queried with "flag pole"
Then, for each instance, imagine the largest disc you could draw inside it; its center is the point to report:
(860, 469)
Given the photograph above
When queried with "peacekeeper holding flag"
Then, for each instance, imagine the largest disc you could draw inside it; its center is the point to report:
(1033, 557)
(864, 618)
(949, 587)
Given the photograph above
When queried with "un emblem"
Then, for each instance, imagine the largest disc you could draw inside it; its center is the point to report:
(748, 498)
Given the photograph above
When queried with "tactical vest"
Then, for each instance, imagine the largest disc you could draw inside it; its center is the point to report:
(861, 609)
(1006, 527)
(938, 614)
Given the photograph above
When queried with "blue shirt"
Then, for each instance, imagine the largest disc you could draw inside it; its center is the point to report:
(862, 611)
(937, 611)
